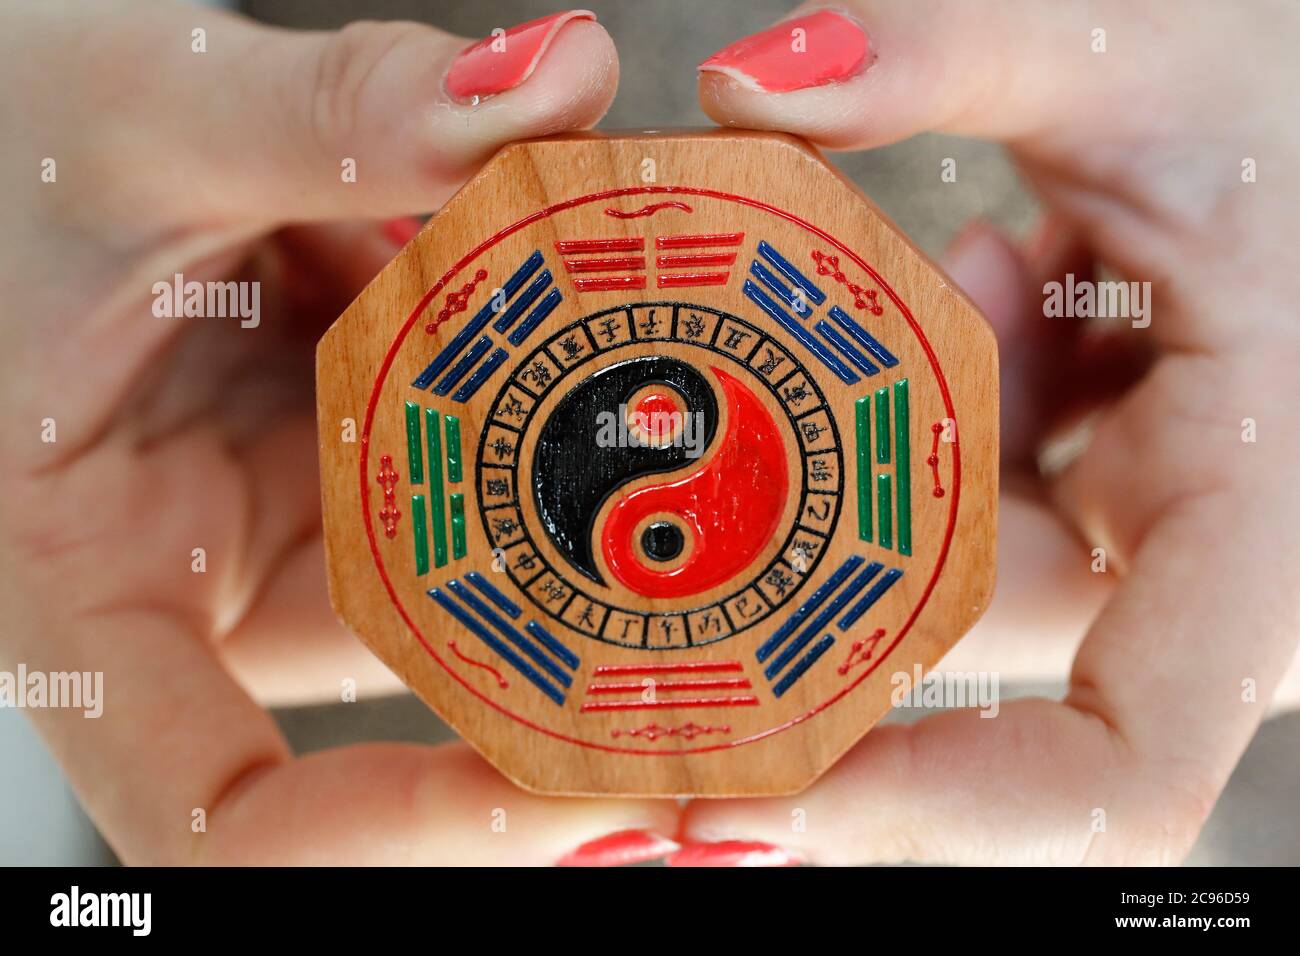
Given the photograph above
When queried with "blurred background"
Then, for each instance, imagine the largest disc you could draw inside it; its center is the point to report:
(1257, 820)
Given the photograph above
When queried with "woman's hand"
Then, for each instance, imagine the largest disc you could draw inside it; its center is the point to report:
(1144, 140)
(180, 433)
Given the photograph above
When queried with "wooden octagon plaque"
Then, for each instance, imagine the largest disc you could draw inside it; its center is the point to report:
(669, 451)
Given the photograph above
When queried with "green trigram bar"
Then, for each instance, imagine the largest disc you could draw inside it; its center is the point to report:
(453, 448)
(458, 526)
(903, 466)
(413, 453)
(421, 533)
(884, 504)
(882, 426)
(863, 409)
(433, 431)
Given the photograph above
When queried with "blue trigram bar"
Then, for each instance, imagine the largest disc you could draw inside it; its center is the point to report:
(807, 607)
(502, 650)
(508, 631)
(805, 662)
(823, 619)
(863, 337)
(845, 348)
(784, 266)
(517, 307)
(481, 375)
(870, 598)
(544, 308)
(491, 592)
(798, 332)
(477, 324)
(459, 370)
(552, 644)
(799, 303)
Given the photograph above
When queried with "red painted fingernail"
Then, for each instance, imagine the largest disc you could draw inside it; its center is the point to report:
(625, 846)
(403, 230)
(732, 853)
(501, 62)
(795, 54)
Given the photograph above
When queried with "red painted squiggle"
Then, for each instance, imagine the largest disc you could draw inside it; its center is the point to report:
(387, 479)
(862, 298)
(933, 460)
(501, 681)
(456, 302)
(649, 210)
(690, 730)
(856, 655)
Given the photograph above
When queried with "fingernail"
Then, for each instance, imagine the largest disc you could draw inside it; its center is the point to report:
(403, 230)
(616, 849)
(504, 60)
(807, 51)
(732, 853)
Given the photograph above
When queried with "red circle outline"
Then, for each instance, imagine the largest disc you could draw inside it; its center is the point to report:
(473, 254)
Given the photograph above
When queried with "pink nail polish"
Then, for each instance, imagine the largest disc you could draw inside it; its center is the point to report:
(795, 54)
(732, 853)
(616, 849)
(503, 61)
(403, 230)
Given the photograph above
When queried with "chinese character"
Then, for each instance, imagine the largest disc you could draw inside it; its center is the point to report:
(795, 394)
(571, 347)
(778, 581)
(770, 363)
(734, 338)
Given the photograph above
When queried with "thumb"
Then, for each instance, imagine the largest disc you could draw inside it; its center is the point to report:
(374, 120)
(872, 72)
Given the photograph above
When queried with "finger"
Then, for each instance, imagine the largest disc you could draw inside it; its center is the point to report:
(375, 120)
(182, 767)
(1049, 591)
(1052, 368)
(1166, 691)
(872, 72)
(290, 649)
(1000, 280)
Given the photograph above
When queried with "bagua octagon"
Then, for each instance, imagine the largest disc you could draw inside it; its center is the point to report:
(798, 498)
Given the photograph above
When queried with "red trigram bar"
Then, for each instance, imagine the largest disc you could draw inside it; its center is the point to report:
(699, 241)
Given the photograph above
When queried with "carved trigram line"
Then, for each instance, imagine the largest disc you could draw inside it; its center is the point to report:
(458, 376)
(430, 509)
(697, 263)
(790, 653)
(480, 619)
(885, 486)
(649, 681)
(777, 285)
(635, 264)
(870, 598)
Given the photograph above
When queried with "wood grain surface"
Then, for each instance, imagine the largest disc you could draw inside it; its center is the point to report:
(569, 655)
